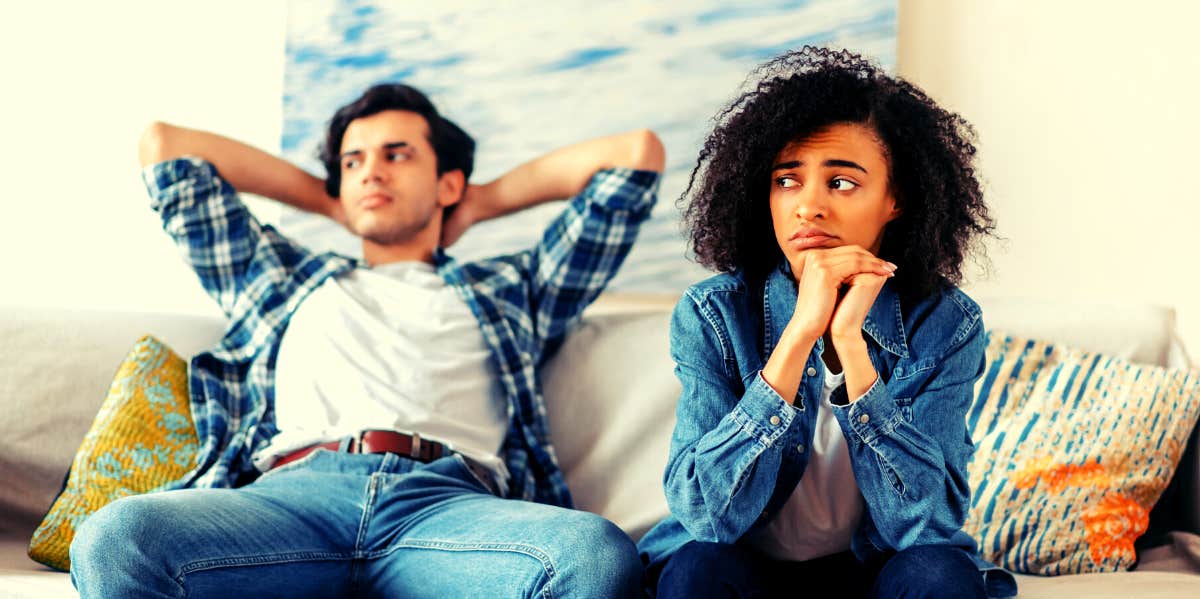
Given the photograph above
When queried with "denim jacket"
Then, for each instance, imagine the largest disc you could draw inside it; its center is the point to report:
(737, 451)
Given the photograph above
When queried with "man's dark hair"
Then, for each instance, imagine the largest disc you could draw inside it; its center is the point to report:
(930, 152)
(455, 150)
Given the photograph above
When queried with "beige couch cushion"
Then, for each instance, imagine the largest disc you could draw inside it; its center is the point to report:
(55, 368)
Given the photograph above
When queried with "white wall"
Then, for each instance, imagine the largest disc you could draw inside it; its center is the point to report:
(1088, 127)
(81, 80)
(1086, 120)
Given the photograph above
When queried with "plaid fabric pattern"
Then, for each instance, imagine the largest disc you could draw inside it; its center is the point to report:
(524, 302)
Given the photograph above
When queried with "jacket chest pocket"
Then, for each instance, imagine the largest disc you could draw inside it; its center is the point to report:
(907, 379)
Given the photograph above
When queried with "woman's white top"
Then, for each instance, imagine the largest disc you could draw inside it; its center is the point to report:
(825, 508)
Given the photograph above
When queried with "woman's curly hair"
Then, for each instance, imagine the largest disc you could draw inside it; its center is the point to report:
(930, 152)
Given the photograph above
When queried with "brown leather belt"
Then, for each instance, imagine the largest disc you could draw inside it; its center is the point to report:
(377, 441)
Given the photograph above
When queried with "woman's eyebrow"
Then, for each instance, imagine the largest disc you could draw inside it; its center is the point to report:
(845, 163)
(827, 163)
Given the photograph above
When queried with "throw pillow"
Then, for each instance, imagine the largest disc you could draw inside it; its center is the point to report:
(1073, 449)
(142, 438)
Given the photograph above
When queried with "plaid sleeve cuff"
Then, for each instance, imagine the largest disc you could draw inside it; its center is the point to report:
(622, 188)
(161, 177)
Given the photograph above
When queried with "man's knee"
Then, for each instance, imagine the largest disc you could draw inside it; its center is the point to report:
(130, 524)
(597, 557)
(930, 571)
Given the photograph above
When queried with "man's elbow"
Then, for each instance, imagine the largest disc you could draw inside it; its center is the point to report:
(155, 143)
(646, 151)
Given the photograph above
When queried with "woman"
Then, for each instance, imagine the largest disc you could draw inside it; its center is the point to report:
(821, 444)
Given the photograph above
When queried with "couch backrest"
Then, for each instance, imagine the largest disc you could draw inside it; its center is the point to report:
(611, 391)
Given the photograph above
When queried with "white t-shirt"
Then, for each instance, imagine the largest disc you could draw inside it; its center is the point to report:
(825, 508)
(390, 347)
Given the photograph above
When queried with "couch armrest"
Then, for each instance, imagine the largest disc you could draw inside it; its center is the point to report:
(1179, 507)
(1188, 474)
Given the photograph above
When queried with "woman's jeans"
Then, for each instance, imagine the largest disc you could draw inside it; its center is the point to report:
(350, 525)
(701, 570)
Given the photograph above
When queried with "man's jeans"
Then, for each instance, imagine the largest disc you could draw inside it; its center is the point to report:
(340, 525)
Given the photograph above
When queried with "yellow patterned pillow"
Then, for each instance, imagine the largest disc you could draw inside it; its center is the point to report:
(142, 439)
(1073, 449)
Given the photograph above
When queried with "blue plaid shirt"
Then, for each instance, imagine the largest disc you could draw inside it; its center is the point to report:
(524, 302)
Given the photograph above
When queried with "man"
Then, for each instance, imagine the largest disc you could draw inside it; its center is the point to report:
(392, 404)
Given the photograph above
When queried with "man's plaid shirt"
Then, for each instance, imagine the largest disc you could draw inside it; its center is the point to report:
(524, 302)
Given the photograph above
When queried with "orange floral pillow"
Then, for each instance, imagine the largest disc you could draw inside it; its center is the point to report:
(1072, 450)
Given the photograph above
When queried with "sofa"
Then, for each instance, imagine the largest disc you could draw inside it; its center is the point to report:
(611, 394)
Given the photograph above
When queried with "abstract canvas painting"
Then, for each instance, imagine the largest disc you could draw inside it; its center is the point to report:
(525, 78)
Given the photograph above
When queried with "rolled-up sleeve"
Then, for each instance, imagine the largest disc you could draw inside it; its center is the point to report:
(584, 246)
(218, 237)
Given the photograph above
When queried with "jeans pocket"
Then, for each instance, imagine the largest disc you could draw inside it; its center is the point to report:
(476, 472)
(303, 462)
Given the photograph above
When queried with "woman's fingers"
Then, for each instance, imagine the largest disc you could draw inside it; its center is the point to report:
(836, 265)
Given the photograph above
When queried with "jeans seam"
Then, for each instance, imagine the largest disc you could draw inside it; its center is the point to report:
(258, 560)
(542, 557)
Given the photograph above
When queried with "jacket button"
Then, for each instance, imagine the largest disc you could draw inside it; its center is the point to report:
(864, 419)
(812, 371)
(800, 448)
(775, 420)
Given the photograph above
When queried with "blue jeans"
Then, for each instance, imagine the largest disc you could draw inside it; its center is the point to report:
(702, 570)
(342, 525)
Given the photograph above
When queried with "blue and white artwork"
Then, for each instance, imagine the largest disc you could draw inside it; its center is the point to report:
(525, 78)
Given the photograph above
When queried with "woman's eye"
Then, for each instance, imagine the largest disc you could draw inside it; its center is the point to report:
(842, 185)
(786, 182)
(349, 164)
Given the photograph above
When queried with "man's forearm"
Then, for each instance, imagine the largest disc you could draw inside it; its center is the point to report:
(564, 172)
(246, 168)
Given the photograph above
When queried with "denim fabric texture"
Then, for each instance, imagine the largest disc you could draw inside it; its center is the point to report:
(719, 570)
(351, 525)
(524, 302)
(738, 449)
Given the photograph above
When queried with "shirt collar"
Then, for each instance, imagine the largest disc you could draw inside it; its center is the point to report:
(884, 323)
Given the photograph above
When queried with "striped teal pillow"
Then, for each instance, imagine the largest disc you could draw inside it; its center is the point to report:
(1073, 449)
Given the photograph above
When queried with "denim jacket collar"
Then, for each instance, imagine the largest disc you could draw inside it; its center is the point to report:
(884, 323)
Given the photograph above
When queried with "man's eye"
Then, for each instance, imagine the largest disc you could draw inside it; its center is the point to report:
(398, 157)
(842, 185)
(786, 182)
(349, 164)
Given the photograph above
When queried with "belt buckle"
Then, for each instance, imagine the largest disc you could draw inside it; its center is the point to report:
(415, 450)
